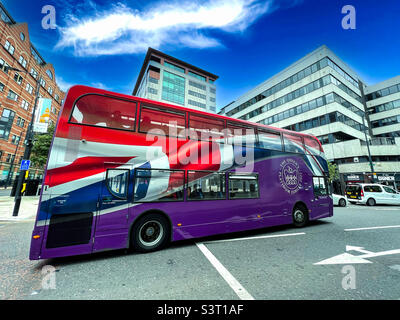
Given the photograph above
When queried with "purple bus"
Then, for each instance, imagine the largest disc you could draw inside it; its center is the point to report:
(126, 172)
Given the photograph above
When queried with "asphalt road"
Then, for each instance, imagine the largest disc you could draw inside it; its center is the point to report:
(272, 263)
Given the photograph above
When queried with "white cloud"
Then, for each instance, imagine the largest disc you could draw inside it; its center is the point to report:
(122, 30)
(63, 85)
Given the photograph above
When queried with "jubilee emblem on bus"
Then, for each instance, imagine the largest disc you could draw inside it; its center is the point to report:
(290, 176)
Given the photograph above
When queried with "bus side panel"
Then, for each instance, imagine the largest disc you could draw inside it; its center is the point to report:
(70, 221)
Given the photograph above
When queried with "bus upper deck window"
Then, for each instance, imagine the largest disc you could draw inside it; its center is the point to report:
(293, 143)
(103, 111)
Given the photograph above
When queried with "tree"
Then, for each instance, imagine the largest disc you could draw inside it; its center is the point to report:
(41, 146)
(333, 172)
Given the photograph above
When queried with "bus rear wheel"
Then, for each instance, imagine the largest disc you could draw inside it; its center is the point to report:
(300, 216)
(150, 233)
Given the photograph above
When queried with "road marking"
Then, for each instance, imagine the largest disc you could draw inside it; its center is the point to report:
(228, 277)
(347, 258)
(372, 228)
(258, 237)
(387, 209)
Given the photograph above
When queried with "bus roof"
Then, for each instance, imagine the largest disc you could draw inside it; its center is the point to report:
(87, 90)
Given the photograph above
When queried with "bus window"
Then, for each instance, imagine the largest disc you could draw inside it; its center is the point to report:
(154, 185)
(205, 185)
(239, 135)
(243, 186)
(269, 140)
(293, 143)
(320, 186)
(162, 122)
(313, 145)
(203, 128)
(103, 111)
(117, 182)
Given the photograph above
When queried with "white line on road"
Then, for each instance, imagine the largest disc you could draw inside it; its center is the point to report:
(258, 237)
(228, 277)
(372, 228)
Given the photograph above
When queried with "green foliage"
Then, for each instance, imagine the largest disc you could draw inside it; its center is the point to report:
(333, 172)
(41, 146)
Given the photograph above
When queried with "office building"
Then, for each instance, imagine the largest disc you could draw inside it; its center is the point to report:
(167, 79)
(17, 92)
(319, 94)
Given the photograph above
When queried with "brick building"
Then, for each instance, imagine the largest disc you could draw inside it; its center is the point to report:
(17, 92)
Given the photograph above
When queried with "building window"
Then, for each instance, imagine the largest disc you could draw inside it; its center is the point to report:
(172, 66)
(173, 88)
(9, 47)
(18, 79)
(50, 90)
(36, 56)
(34, 73)
(212, 90)
(29, 88)
(50, 74)
(24, 104)
(197, 85)
(3, 66)
(153, 80)
(12, 95)
(6, 121)
(196, 94)
(22, 61)
(15, 139)
(20, 122)
(1, 87)
(197, 104)
(22, 36)
(56, 97)
(152, 90)
(197, 76)
(42, 82)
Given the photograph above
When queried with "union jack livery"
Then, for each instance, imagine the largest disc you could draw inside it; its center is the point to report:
(129, 172)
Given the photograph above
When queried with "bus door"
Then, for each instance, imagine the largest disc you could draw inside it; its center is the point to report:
(322, 201)
(113, 205)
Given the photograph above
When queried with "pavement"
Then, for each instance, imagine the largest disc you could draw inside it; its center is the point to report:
(27, 210)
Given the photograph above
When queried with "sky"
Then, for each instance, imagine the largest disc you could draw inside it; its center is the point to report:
(103, 43)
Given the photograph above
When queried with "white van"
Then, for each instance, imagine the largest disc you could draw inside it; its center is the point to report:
(371, 194)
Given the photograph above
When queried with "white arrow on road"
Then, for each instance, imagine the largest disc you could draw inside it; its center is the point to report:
(347, 258)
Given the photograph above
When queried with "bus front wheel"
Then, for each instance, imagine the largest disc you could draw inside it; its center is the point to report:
(300, 216)
(150, 233)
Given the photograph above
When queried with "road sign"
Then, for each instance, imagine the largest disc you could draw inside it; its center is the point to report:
(347, 258)
(25, 164)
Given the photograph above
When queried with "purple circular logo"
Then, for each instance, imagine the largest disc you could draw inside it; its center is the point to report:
(290, 176)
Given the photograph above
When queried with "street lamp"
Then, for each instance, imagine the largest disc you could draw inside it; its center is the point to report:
(10, 172)
(28, 147)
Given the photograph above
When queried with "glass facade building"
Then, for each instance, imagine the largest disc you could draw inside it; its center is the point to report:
(320, 95)
(167, 79)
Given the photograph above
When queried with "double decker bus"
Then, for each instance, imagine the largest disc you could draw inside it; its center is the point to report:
(127, 172)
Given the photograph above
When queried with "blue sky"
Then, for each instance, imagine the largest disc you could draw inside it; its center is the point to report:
(103, 43)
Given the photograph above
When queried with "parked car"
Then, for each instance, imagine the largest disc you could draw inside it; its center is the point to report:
(372, 194)
(339, 200)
